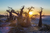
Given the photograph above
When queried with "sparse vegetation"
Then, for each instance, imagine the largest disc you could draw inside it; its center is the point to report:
(1, 21)
(7, 20)
(46, 28)
(17, 29)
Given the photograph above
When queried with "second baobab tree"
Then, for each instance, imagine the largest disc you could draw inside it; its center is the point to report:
(40, 20)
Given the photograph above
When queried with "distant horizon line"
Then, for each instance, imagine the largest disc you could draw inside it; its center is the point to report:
(38, 15)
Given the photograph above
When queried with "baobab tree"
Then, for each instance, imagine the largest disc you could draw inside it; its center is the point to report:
(19, 18)
(40, 20)
(28, 23)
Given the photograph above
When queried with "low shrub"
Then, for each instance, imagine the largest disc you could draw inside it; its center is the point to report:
(46, 28)
(17, 30)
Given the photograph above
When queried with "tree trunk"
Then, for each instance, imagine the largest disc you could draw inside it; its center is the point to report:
(40, 21)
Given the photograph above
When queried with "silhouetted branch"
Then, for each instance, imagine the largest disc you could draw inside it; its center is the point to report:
(21, 11)
(15, 13)
(8, 11)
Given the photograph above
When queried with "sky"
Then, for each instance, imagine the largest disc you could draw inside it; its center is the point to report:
(17, 4)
